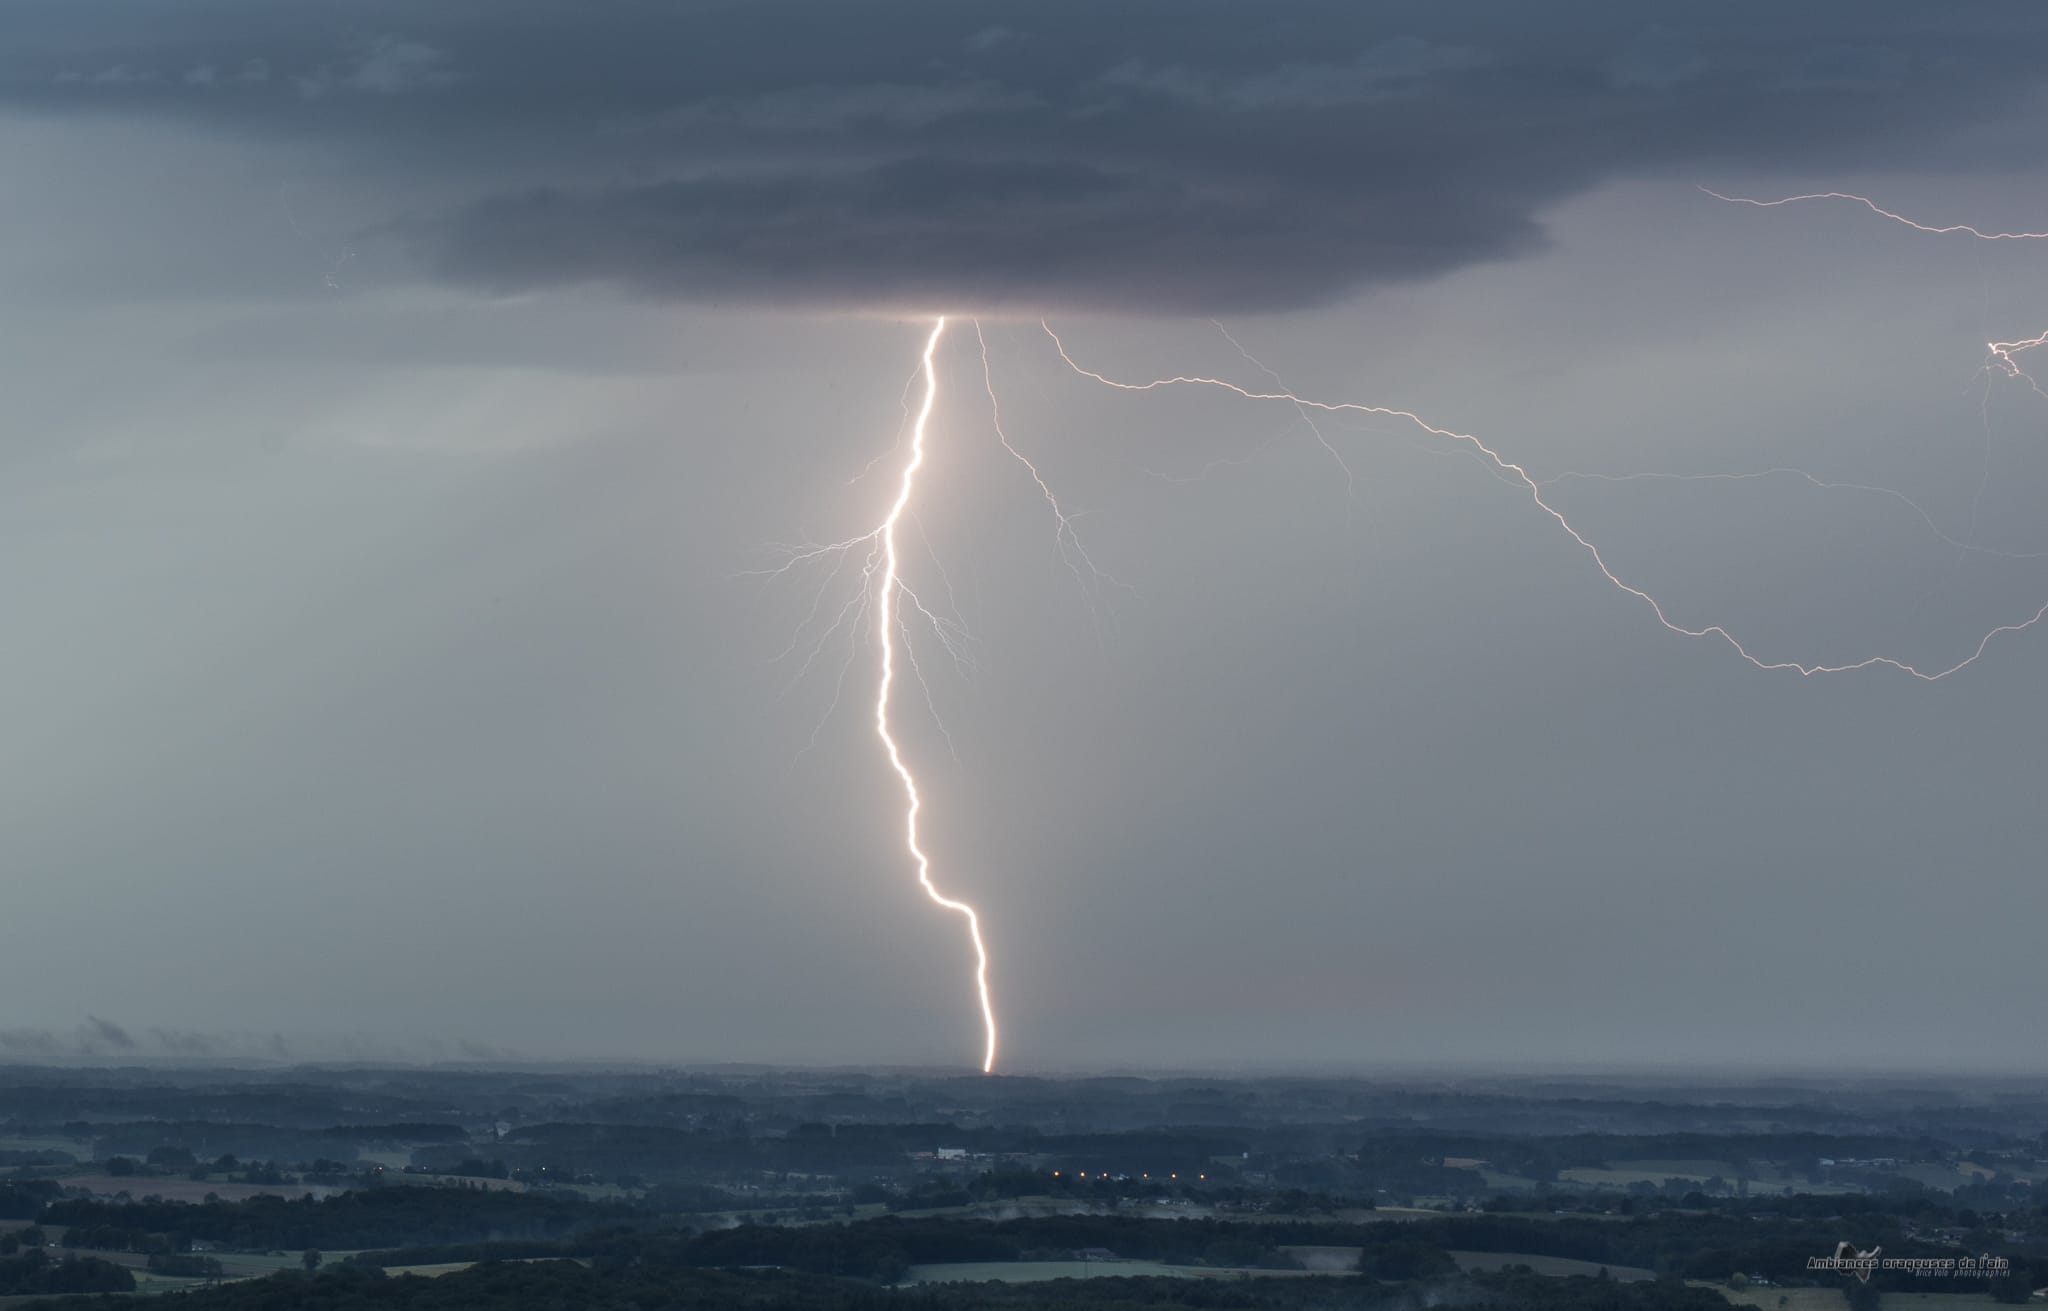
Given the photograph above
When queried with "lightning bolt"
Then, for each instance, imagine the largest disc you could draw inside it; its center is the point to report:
(1516, 474)
(2001, 352)
(1881, 211)
(883, 603)
(885, 598)
(1066, 540)
(886, 622)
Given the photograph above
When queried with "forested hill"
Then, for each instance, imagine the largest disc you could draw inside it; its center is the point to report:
(381, 1217)
(562, 1285)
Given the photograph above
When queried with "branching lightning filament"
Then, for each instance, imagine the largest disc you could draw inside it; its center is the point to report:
(886, 628)
(2001, 352)
(1517, 475)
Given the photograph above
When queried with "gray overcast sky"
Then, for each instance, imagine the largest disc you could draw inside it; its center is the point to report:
(398, 395)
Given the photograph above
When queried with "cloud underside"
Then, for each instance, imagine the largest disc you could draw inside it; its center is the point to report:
(935, 236)
(1191, 158)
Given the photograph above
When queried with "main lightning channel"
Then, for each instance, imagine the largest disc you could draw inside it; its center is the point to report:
(885, 626)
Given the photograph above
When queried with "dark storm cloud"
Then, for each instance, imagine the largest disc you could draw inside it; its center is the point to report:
(1152, 157)
(939, 232)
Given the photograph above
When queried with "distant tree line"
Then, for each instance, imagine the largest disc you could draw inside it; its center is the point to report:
(549, 1285)
(33, 1272)
(378, 1217)
(24, 1199)
(410, 1132)
(207, 1141)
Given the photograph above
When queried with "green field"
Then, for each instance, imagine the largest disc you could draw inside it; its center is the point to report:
(431, 1271)
(1502, 1182)
(71, 1147)
(1550, 1265)
(1040, 1205)
(1692, 1166)
(241, 1265)
(459, 1181)
(1324, 1260)
(1830, 1299)
(1624, 1173)
(1618, 1178)
(189, 1190)
(145, 1282)
(1025, 1272)
(434, 1270)
(1947, 1178)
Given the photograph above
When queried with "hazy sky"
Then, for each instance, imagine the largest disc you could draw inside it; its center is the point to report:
(398, 396)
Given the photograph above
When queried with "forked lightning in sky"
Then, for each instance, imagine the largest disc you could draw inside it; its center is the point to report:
(884, 594)
(2002, 352)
